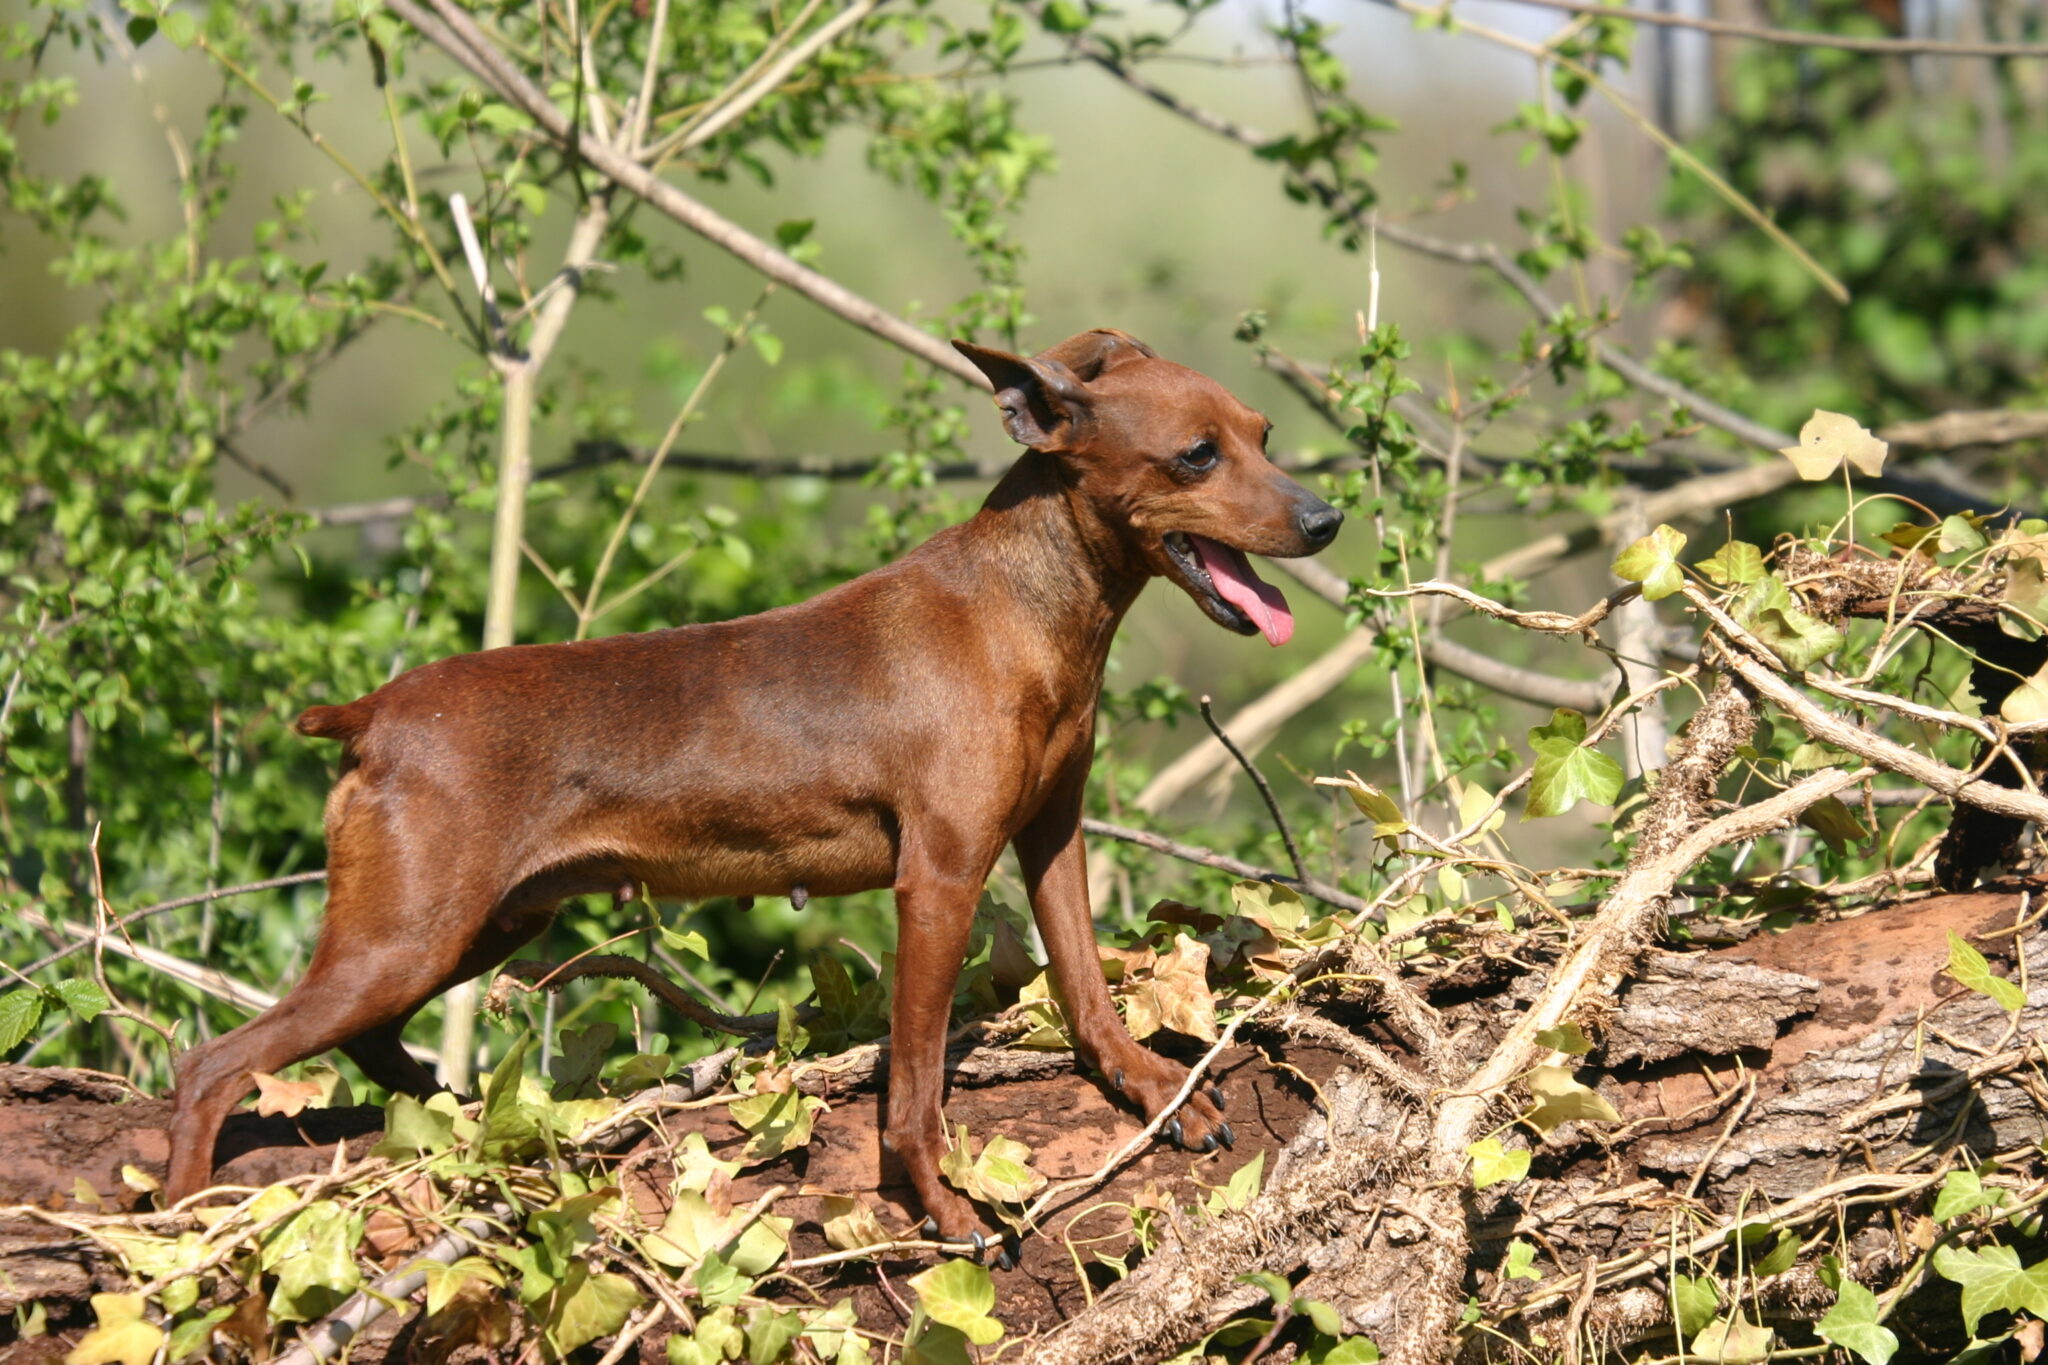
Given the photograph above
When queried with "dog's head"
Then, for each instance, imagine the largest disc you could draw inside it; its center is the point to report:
(1172, 461)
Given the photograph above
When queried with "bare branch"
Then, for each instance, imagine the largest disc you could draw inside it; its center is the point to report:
(1790, 37)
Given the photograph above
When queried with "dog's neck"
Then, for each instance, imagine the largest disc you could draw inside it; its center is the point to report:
(1074, 573)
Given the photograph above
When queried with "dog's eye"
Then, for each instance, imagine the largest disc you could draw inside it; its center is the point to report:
(1200, 455)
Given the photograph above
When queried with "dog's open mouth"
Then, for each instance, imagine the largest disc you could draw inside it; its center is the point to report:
(1226, 576)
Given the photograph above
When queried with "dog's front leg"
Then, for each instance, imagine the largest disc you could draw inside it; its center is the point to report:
(1055, 867)
(935, 899)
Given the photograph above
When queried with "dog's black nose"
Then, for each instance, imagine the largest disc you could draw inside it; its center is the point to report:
(1320, 524)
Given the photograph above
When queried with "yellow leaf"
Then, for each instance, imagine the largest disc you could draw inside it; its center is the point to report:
(1829, 438)
(122, 1336)
(1560, 1097)
(2028, 701)
(849, 1224)
(1181, 980)
(275, 1095)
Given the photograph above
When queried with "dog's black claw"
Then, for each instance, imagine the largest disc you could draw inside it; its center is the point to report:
(1216, 1097)
(1229, 1138)
(980, 1243)
(929, 1228)
(1209, 1144)
(1009, 1252)
(1175, 1135)
(1118, 1081)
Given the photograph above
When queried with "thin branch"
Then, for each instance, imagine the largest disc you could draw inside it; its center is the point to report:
(1258, 780)
(450, 28)
(176, 903)
(1223, 862)
(1789, 37)
(738, 101)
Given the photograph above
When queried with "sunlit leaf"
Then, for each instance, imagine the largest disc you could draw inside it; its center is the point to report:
(1829, 438)
(1491, 1164)
(1653, 562)
(1972, 971)
(1852, 1325)
(1560, 1098)
(961, 1295)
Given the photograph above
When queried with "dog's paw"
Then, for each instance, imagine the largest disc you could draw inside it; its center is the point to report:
(1152, 1081)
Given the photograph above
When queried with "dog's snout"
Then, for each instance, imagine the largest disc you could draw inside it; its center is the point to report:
(1320, 522)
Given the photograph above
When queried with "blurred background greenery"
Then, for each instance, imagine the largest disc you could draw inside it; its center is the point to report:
(217, 348)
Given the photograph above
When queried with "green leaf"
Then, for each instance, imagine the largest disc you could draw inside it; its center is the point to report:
(1567, 1037)
(1852, 1325)
(1276, 1287)
(1781, 1257)
(1560, 1098)
(20, 1011)
(444, 1282)
(960, 1294)
(1964, 1192)
(412, 1128)
(1491, 1164)
(1694, 1301)
(1323, 1316)
(2025, 599)
(1653, 562)
(181, 28)
(1343, 1351)
(718, 1283)
(777, 1121)
(1521, 1262)
(587, 1307)
(1064, 16)
(1567, 773)
(1993, 1282)
(122, 1335)
(1388, 823)
(141, 28)
(1959, 533)
(1736, 564)
(314, 1257)
(1733, 1341)
(937, 1344)
(691, 942)
(1973, 972)
(769, 1331)
(1278, 907)
(1775, 617)
(1239, 1191)
(1835, 823)
(195, 1335)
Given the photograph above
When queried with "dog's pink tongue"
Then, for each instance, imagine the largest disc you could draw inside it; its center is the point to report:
(1238, 585)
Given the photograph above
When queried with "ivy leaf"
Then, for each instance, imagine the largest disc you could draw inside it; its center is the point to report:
(1653, 562)
(586, 1307)
(1560, 1098)
(1567, 773)
(961, 1295)
(1829, 438)
(1567, 1037)
(2028, 701)
(1961, 533)
(1736, 564)
(1003, 1170)
(691, 942)
(1771, 613)
(2025, 599)
(1993, 1281)
(20, 1011)
(1240, 1189)
(1852, 1325)
(276, 1095)
(1388, 824)
(849, 1224)
(1834, 823)
(1180, 983)
(444, 1282)
(1521, 1262)
(1733, 1341)
(1695, 1300)
(1279, 908)
(1973, 972)
(121, 1336)
(1473, 802)
(1783, 1254)
(1491, 1164)
(777, 1121)
(1964, 1192)
(314, 1257)
(768, 1331)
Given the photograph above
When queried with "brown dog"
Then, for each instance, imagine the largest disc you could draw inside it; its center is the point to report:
(896, 731)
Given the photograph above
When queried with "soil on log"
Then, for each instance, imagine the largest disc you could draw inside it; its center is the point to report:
(1747, 1077)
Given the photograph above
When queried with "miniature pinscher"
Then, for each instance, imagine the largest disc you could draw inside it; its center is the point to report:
(896, 731)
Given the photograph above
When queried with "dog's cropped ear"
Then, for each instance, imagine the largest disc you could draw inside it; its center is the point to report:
(1094, 353)
(1041, 399)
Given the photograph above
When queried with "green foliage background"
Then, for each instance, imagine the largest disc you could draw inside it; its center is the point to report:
(168, 611)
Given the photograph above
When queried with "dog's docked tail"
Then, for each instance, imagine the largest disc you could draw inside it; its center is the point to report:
(345, 723)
